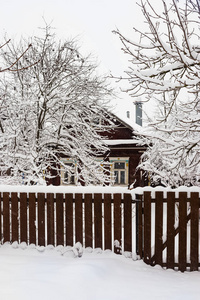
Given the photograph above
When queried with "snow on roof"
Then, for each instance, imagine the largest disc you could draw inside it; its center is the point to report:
(120, 142)
(120, 107)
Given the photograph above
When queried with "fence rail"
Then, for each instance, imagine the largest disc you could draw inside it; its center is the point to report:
(163, 229)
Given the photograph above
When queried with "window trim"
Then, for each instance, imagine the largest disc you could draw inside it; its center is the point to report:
(125, 160)
(63, 171)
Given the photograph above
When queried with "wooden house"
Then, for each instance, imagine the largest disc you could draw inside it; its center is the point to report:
(123, 155)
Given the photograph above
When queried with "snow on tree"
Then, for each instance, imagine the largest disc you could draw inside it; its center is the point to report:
(165, 66)
(50, 110)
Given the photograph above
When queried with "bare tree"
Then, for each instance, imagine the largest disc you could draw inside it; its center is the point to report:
(165, 65)
(51, 110)
(12, 66)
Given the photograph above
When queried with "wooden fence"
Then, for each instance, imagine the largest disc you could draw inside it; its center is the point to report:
(161, 230)
(64, 219)
(171, 230)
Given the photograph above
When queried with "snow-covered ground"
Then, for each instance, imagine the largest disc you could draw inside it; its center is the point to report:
(34, 273)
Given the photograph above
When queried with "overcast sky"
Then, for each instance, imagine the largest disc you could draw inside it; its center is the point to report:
(91, 20)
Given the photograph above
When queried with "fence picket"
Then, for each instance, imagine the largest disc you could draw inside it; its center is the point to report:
(194, 251)
(50, 219)
(69, 219)
(32, 218)
(117, 223)
(170, 229)
(158, 228)
(88, 220)
(98, 220)
(107, 222)
(147, 227)
(6, 218)
(182, 230)
(14, 218)
(59, 220)
(127, 223)
(23, 217)
(78, 219)
(41, 219)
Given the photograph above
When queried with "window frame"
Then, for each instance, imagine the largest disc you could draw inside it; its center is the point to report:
(125, 160)
(68, 161)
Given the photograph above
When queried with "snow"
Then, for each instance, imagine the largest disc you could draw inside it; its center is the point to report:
(50, 273)
(120, 142)
(34, 272)
(63, 189)
(91, 189)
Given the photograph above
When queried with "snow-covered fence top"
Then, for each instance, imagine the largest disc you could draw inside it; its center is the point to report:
(96, 190)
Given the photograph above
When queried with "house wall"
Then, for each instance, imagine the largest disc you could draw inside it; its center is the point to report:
(134, 154)
(121, 131)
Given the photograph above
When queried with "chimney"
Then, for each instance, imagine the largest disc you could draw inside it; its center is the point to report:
(138, 112)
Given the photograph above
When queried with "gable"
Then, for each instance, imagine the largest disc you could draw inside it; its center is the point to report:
(120, 130)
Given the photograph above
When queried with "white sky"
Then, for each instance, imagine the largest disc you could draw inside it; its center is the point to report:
(91, 20)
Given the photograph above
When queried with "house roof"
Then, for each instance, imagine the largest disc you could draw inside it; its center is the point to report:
(121, 142)
(119, 110)
(127, 122)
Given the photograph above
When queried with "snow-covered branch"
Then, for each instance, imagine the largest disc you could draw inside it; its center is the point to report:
(49, 112)
(165, 66)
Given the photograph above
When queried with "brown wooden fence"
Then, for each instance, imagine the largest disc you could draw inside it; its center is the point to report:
(95, 220)
(161, 230)
(171, 230)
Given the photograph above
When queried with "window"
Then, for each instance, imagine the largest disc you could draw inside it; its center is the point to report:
(119, 165)
(68, 171)
(69, 174)
(120, 170)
